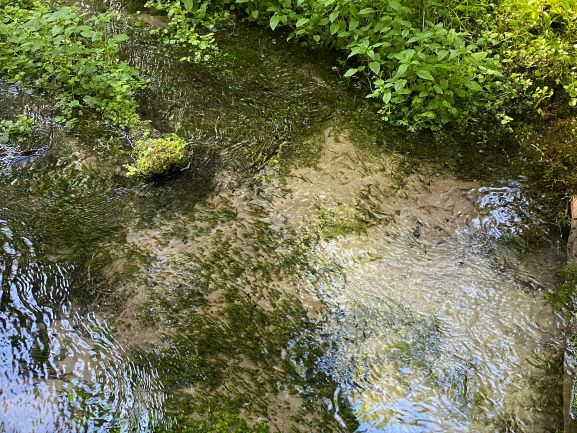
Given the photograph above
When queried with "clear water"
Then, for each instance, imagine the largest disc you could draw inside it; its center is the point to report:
(350, 296)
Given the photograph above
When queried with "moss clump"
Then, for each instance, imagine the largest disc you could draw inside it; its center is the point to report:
(564, 296)
(157, 156)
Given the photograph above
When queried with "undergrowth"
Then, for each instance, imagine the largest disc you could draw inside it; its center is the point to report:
(430, 63)
(68, 56)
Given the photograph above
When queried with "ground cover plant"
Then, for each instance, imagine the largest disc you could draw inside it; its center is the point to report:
(430, 63)
(70, 57)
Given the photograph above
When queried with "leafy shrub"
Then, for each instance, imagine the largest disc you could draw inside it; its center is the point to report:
(424, 73)
(430, 62)
(157, 156)
(539, 45)
(181, 30)
(69, 56)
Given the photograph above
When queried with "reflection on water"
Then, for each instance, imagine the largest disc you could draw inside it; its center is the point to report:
(60, 371)
(437, 321)
(504, 210)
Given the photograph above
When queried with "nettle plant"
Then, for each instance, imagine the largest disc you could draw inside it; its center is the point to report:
(70, 57)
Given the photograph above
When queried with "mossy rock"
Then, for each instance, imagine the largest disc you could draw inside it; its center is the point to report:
(158, 156)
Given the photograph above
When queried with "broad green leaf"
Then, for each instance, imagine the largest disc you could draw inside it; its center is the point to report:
(387, 97)
(480, 55)
(335, 27)
(474, 86)
(400, 84)
(442, 54)
(395, 5)
(274, 20)
(302, 21)
(351, 72)
(402, 70)
(119, 38)
(187, 4)
(375, 67)
(425, 74)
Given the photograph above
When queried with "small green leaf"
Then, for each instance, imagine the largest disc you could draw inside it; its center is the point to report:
(442, 54)
(474, 86)
(387, 97)
(480, 55)
(187, 4)
(302, 21)
(317, 38)
(351, 72)
(335, 27)
(375, 67)
(402, 70)
(400, 84)
(395, 5)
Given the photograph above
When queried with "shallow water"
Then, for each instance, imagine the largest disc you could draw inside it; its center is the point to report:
(439, 321)
(62, 371)
(352, 292)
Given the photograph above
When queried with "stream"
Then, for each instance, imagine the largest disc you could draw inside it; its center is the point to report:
(301, 272)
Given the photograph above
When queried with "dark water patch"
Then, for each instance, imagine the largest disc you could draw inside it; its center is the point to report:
(255, 100)
(44, 130)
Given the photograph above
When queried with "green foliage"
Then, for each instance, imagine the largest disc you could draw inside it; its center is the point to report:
(70, 57)
(423, 72)
(157, 156)
(539, 46)
(429, 63)
(550, 159)
(181, 31)
(15, 130)
(217, 422)
(564, 296)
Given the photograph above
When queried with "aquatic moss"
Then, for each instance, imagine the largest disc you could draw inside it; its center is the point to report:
(564, 296)
(219, 421)
(157, 156)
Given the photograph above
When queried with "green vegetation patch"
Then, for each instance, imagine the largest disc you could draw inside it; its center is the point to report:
(216, 422)
(69, 56)
(15, 130)
(157, 156)
(430, 63)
